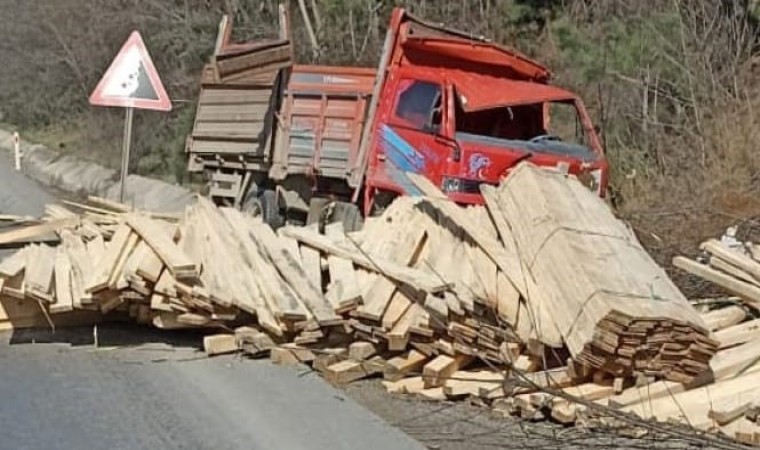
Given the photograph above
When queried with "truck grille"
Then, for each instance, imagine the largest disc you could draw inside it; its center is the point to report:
(473, 186)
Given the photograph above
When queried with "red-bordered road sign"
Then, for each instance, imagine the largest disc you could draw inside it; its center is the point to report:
(131, 80)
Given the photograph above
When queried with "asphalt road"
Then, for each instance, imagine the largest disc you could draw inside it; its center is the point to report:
(20, 195)
(136, 394)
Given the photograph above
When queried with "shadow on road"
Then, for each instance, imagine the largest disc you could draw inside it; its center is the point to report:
(106, 335)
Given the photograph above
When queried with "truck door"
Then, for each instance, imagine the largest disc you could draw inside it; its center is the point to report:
(412, 137)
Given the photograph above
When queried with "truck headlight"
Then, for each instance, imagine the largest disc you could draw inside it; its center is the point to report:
(451, 184)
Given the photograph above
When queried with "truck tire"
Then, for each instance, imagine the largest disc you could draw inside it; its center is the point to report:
(251, 204)
(266, 206)
(349, 214)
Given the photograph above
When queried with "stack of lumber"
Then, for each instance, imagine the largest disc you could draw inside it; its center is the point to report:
(525, 306)
(621, 312)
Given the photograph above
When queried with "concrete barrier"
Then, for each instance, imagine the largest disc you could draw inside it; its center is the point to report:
(77, 176)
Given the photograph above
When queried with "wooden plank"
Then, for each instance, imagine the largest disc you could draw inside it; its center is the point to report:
(721, 318)
(343, 291)
(277, 293)
(38, 276)
(410, 385)
(295, 275)
(312, 265)
(401, 366)
(463, 384)
(533, 381)
(379, 293)
(150, 266)
(14, 264)
(291, 245)
(748, 292)
(738, 334)
(398, 337)
(399, 304)
(35, 231)
(347, 371)
(117, 280)
(732, 270)
(417, 279)
(108, 261)
(220, 344)
(80, 268)
(743, 262)
(733, 409)
(689, 406)
(228, 269)
(731, 362)
(509, 263)
(130, 265)
(361, 350)
(64, 299)
(436, 372)
(170, 254)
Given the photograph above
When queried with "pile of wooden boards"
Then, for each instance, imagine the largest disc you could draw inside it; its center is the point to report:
(540, 289)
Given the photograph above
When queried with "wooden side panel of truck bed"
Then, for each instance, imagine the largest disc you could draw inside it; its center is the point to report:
(320, 123)
(235, 112)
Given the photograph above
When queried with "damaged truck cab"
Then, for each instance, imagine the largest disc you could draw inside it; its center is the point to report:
(465, 112)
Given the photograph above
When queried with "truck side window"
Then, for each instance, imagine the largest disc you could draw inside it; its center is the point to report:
(419, 104)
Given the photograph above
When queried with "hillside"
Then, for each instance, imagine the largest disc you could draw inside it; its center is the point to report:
(672, 84)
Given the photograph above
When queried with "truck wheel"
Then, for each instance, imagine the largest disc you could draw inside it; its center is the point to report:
(349, 214)
(251, 204)
(266, 206)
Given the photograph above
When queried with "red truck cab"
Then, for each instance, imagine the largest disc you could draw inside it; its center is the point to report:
(465, 112)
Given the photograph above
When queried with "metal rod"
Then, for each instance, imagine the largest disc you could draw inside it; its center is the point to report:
(125, 151)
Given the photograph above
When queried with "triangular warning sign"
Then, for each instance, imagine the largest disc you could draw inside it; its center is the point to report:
(131, 80)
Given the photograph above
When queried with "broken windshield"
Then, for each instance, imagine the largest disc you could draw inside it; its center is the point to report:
(551, 127)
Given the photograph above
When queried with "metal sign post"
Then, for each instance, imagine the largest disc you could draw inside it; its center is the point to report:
(126, 144)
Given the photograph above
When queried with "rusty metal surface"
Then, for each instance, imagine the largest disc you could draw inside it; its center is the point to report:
(321, 121)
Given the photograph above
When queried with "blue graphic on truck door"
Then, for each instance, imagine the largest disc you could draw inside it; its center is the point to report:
(403, 158)
(400, 152)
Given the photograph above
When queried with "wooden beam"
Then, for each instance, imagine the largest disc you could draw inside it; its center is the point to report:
(401, 366)
(415, 278)
(180, 265)
(34, 231)
(738, 334)
(748, 292)
(64, 299)
(343, 291)
(436, 372)
(380, 292)
(721, 318)
(508, 263)
(295, 275)
(732, 257)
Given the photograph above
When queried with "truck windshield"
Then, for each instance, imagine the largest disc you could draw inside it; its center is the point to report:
(551, 127)
(419, 105)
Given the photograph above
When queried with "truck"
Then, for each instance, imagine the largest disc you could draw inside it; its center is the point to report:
(302, 143)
